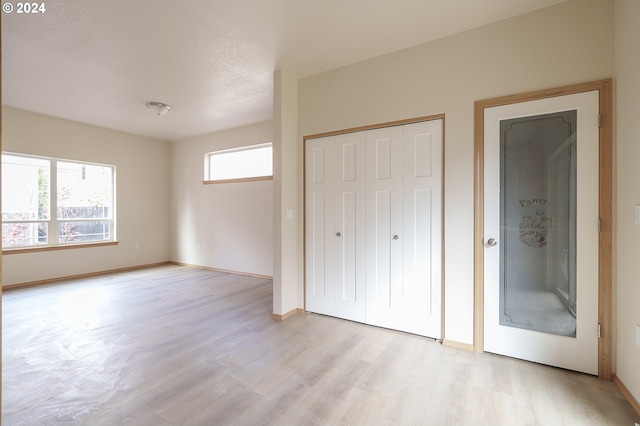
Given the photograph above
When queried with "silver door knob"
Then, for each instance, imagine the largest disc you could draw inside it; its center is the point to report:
(492, 242)
(338, 234)
(395, 237)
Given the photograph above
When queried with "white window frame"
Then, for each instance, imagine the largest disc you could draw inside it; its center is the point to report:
(209, 177)
(53, 220)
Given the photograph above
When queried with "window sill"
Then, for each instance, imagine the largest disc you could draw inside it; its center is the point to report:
(250, 179)
(20, 250)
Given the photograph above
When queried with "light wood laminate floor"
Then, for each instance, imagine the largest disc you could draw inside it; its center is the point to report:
(174, 345)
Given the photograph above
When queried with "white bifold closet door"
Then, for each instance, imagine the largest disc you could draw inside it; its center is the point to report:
(335, 220)
(404, 220)
(373, 227)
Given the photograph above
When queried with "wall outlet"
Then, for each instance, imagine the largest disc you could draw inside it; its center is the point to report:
(136, 246)
(638, 334)
(637, 214)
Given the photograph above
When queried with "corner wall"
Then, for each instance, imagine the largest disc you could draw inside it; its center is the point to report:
(564, 44)
(287, 214)
(142, 199)
(223, 226)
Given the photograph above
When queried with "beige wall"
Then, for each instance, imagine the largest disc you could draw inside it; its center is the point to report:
(627, 64)
(564, 44)
(232, 224)
(142, 199)
(224, 226)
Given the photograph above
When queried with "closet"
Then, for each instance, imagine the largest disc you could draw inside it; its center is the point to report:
(373, 227)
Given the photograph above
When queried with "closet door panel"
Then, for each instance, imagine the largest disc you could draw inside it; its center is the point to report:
(422, 216)
(347, 249)
(373, 227)
(384, 227)
(380, 240)
(318, 244)
(349, 227)
(319, 225)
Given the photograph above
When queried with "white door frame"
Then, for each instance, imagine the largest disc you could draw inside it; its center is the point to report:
(604, 87)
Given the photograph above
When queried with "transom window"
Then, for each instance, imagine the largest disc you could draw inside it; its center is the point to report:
(49, 202)
(253, 162)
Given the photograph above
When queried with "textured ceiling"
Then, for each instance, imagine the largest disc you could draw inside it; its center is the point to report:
(99, 62)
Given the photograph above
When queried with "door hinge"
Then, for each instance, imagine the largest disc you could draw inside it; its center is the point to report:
(598, 330)
(599, 225)
(599, 120)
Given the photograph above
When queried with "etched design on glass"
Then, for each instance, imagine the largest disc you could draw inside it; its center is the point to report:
(533, 229)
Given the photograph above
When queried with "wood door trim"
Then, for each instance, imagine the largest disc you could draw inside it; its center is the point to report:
(378, 126)
(605, 239)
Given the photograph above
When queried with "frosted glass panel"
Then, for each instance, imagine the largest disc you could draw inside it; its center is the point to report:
(538, 223)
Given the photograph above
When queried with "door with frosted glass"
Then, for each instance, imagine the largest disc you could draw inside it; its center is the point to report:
(541, 231)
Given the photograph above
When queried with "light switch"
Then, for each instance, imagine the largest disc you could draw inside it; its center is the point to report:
(289, 213)
(638, 334)
(637, 214)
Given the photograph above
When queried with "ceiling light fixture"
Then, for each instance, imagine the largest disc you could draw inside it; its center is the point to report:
(158, 107)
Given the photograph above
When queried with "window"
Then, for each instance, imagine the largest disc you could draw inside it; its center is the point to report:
(49, 202)
(239, 164)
